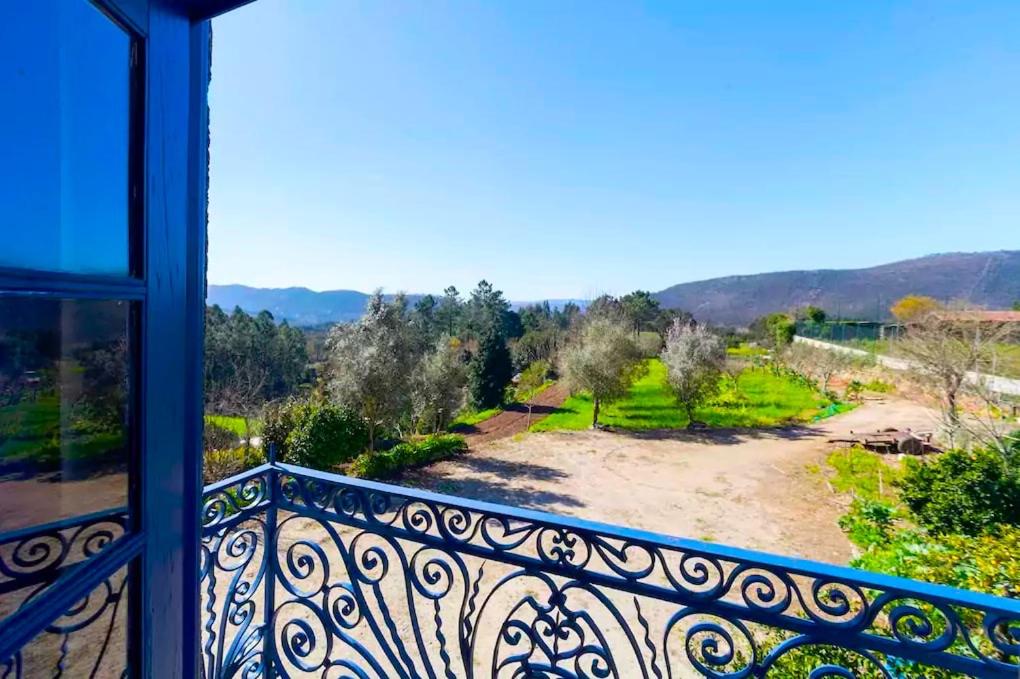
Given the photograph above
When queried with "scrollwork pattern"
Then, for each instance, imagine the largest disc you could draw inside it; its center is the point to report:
(376, 581)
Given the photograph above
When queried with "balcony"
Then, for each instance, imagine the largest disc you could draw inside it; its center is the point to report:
(309, 573)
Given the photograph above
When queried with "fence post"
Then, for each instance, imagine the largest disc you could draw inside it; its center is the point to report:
(268, 639)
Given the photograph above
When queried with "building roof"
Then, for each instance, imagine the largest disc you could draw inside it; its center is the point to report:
(989, 316)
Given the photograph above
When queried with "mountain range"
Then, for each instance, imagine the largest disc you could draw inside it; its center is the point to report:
(990, 279)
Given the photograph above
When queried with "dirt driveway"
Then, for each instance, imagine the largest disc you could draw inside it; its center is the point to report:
(749, 489)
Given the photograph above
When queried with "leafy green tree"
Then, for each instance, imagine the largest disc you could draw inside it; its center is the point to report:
(607, 306)
(487, 309)
(1016, 305)
(490, 370)
(424, 320)
(449, 312)
(567, 315)
(250, 360)
(813, 314)
(641, 309)
(604, 360)
(775, 330)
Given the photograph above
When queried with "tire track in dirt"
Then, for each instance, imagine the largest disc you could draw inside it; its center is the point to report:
(514, 420)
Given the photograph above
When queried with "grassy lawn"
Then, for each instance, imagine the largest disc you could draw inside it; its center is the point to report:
(234, 424)
(746, 351)
(470, 418)
(757, 398)
(864, 474)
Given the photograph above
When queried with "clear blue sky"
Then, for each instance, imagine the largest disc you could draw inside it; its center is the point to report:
(560, 149)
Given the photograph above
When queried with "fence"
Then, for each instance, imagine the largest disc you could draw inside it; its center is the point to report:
(311, 573)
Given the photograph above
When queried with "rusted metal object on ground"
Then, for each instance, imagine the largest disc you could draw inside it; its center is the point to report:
(904, 441)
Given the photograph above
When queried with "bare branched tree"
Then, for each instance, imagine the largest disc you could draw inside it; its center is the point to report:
(948, 350)
(817, 364)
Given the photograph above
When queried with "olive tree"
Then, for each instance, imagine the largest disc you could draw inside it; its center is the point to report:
(370, 365)
(603, 360)
(437, 386)
(695, 359)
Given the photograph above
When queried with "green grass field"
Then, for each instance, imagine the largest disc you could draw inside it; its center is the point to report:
(470, 418)
(864, 474)
(234, 424)
(746, 351)
(757, 398)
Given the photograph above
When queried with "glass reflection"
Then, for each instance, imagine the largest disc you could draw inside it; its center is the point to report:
(64, 372)
(65, 79)
(89, 640)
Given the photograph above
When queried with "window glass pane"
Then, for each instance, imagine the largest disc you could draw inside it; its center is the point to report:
(64, 75)
(64, 436)
(89, 640)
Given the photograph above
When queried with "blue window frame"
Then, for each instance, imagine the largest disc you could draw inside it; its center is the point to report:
(72, 304)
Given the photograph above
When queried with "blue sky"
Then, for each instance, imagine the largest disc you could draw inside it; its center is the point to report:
(561, 149)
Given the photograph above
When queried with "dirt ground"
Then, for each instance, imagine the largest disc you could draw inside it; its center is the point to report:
(753, 489)
(514, 419)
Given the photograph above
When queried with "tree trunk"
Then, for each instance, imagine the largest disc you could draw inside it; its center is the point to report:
(595, 413)
(529, 415)
(690, 414)
(371, 436)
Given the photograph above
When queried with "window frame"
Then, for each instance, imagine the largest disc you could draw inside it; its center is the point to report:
(128, 551)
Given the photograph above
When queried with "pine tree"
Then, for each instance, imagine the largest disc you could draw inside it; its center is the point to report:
(490, 370)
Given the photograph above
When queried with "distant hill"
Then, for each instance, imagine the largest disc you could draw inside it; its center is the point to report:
(297, 306)
(306, 308)
(990, 279)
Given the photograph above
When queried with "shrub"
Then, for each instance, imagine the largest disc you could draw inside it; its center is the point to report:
(962, 492)
(385, 464)
(869, 522)
(880, 387)
(215, 437)
(279, 420)
(986, 563)
(219, 464)
(324, 436)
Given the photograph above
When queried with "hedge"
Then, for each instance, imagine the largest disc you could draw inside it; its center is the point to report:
(385, 464)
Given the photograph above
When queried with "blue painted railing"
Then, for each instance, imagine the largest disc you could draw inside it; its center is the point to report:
(306, 572)
(35, 559)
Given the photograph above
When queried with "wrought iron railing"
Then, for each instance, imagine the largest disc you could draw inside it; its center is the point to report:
(78, 642)
(307, 573)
